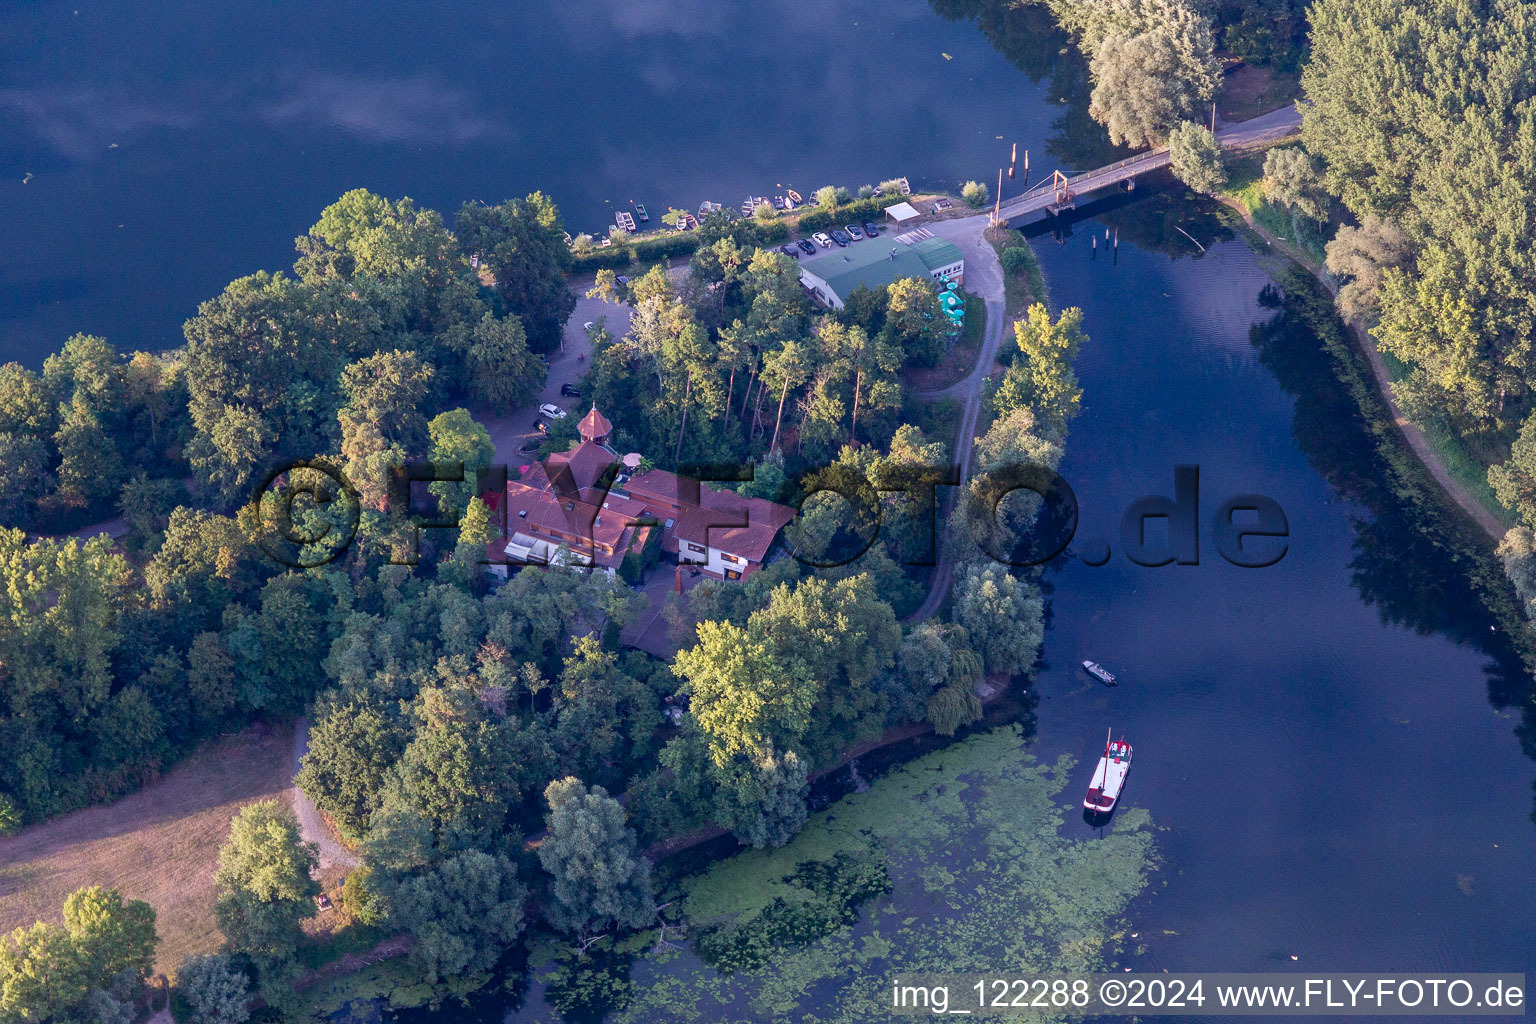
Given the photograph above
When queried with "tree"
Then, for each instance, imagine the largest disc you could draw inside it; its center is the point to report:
(26, 407)
(90, 468)
(1518, 552)
(231, 453)
(790, 366)
(10, 816)
(260, 363)
(1043, 380)
(1514, 481)
(741, 696)
(914, 320)
(975, 193)
(523, 242)
(1363, 255)
(145, 505)
(23, 477)
(772, 796)
(216, 991)
(1196, 157)
(266, 889)
(952, 706)
(380, 424)
(462, 914)
(1292, 179)
(1146, 82)
(1003, 614)
(352, 748)
(600, 881)
(83, 972)
(463, 771)
(42, 976)
(828, 196)
(500, 369)
(110, 935)
(457, 437)
(1385, 88)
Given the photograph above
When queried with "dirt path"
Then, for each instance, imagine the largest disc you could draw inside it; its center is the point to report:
(311, 824)
(1417, 442)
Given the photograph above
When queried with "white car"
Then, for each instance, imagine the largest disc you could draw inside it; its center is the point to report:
(589, 325)
(823, 239)
(551, 410)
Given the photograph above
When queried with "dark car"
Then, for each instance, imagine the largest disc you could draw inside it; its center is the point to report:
(840, 238)
(789, 250)
(570, 390)
(806, 245)
(541, 426)
(871, 228)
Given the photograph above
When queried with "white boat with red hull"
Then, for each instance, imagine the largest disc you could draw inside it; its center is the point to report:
(1109, 777)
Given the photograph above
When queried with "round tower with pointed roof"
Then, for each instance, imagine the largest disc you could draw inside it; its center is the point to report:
(594, 427)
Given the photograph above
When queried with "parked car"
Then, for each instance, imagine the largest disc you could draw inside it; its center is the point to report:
(570, 390)
(789, 250)
(588, 326)
(871, 228)
(551, 410)
(823, 239)
(840, 238)
(622, 279)
(541, 426)
(805, 245)
(853, 231)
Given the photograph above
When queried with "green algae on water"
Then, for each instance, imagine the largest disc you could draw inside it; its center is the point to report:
(955, 862)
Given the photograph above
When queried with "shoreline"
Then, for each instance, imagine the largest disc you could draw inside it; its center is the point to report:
(1417, 442)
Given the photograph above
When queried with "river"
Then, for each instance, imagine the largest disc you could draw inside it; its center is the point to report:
(1326, 745)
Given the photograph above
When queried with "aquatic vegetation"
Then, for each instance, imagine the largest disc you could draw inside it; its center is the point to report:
(956, 861)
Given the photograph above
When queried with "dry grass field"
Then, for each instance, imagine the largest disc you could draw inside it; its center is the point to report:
(160, 844)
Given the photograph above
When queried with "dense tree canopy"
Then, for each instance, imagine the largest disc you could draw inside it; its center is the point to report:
(599, 880)
(1422, 116)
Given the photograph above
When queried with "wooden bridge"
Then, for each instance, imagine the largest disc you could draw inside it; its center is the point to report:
(1059, 192)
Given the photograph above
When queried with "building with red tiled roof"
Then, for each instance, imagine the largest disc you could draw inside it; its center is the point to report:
(585, 500)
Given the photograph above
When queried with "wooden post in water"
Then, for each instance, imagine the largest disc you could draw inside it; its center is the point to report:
(997, 202)
(1013, 160)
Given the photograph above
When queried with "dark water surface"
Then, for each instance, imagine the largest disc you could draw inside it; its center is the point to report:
(176, 146)
(1334, 785)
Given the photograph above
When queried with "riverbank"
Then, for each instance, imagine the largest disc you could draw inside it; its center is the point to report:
(1418, 443)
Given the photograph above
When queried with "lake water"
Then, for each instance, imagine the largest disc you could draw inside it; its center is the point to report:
(174, 147)
(1326, 742)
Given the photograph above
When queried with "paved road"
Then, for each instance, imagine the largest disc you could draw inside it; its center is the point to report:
(509, 432)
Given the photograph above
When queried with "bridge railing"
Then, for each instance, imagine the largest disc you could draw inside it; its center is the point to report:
(1030, 194)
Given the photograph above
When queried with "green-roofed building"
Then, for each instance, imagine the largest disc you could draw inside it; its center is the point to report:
(832, 275)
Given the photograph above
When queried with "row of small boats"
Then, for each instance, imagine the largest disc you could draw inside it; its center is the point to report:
(630, 219)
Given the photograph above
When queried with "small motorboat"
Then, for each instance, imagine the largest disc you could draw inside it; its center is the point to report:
(1100, 673)
(1109, 777)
